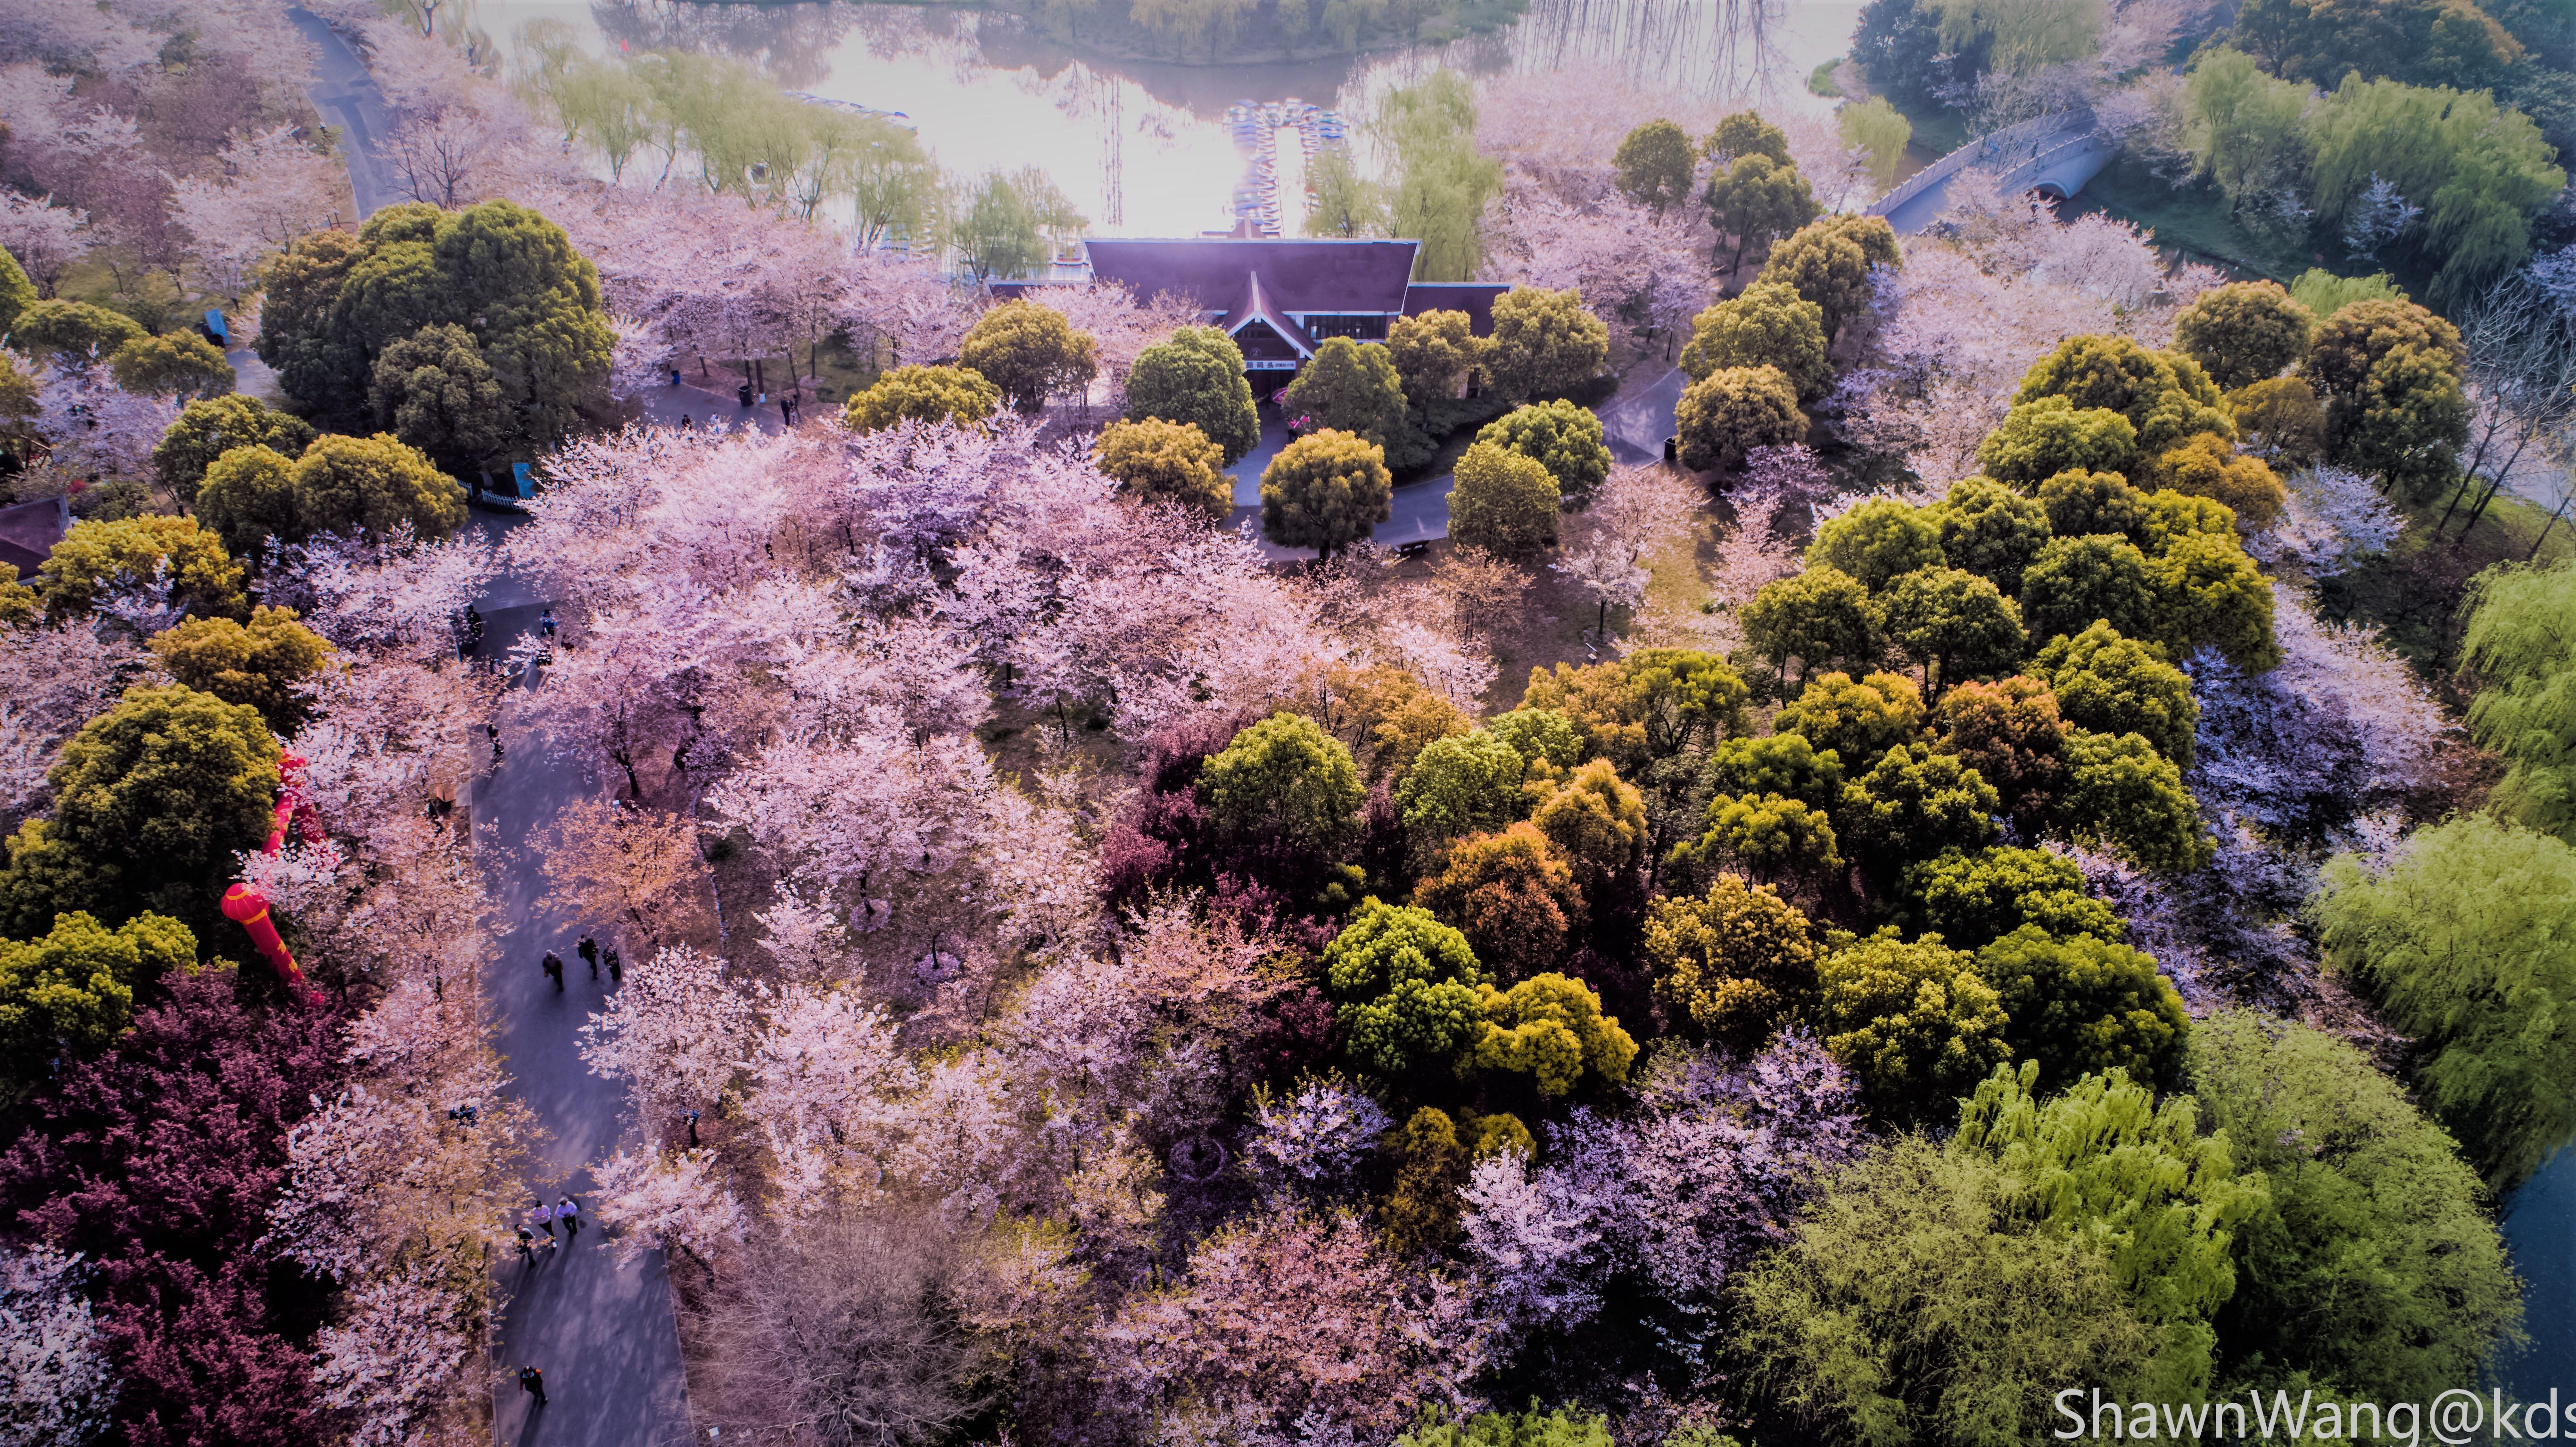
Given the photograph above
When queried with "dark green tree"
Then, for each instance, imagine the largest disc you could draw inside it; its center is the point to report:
(1434, 353)
(1544, 343)
(179, 364)
(1831, 263)
(1733, 410)
(2389, 374)
(1197, 377)
(1877, 542)
(1351, 387)
(2082, 504)
(1561, 436)
(73, 330)
(2123, 794)
(1285, 782)
(1745, 133)
(248, 497)
(434, 392)
(2116, 685)
(2164, 395)
(1654, 164)
(533, 303)
(2244, 333)
(1766, 325)
(2210, 594)
(1990, 530)
(1757, 200)
(2080, 1004)
(2079, 581)
(1915, 1021)
(1913, 804)
(1953, 625)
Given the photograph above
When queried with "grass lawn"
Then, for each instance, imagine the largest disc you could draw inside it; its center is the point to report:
(2193, 219)
(2412, 593)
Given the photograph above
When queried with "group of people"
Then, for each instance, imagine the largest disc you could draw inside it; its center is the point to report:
(593, 954)
(542, 1219)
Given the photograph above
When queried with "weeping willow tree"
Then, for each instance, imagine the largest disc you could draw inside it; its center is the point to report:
(1437, 184)
(2026, 35)
(2479, 170)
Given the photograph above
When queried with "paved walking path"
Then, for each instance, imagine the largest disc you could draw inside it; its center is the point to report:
(347, 97)
(603, 1336)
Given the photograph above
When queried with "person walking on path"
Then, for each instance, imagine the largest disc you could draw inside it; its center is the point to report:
(692, 1118)
(533, 1382)
(554, 970)
(542, 1218)
(588, 949)
(568, 1211)
(492, 732)
(527, 1246)
(616, 968)
(546, 621)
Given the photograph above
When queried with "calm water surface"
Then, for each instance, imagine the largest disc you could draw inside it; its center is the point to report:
(1141, 145)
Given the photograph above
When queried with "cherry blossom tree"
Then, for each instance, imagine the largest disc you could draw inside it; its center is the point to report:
(99, 429)
(272, 191)
(44, 238)
(392, 1361)
(675, 1031)
(61, 1383)
(661, 1203)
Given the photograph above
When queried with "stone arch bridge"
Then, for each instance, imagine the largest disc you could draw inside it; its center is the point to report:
(2053, 155)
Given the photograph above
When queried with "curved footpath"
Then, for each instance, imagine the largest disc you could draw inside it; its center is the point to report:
(603, 1335)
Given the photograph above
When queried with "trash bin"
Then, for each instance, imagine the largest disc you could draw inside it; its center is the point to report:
(744, 393)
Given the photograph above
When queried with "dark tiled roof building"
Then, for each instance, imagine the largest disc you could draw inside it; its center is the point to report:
(1280, 297)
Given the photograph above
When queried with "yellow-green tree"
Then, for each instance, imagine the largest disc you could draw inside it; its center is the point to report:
(1736, 962)
(1733, 410)
(960, 396)
(373, 485)
(70, 993)
(1768, 324)
(1878, 131)
(1915, 1021)
(1830, 261)
(2244, 333)
(1551, 1027)
(1030, 352)
(1503, 503)
(1654, 164)
(209, 428)
(96, 557)
(1158, 461)
(1326, 490)
(259, 665)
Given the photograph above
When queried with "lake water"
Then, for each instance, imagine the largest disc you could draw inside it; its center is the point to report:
(2540, 1226)
(1142, 146)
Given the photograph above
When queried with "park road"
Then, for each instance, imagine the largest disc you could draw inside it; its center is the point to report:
(603, 1335)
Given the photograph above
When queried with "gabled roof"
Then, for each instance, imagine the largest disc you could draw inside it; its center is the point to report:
(1255, 306)
(1297, 274)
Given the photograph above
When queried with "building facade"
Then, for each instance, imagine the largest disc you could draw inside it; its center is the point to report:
(1280, 297)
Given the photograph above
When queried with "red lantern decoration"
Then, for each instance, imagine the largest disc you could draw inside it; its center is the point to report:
(246, 904)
